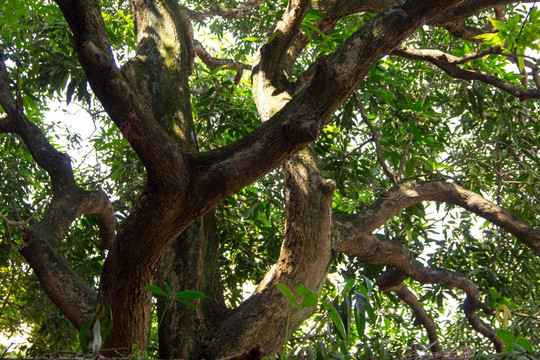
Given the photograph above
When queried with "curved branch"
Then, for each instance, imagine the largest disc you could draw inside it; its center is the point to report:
(57, 164)
(422, 317)
(40, 246)
(448, 63)
(405, 195)
(273, 53)
(212, 62)
(305, 259)
(375, 250)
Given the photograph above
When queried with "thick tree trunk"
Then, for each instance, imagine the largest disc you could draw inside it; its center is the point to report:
(190, 263)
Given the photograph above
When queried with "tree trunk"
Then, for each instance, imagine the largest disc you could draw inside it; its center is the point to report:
(190, 263)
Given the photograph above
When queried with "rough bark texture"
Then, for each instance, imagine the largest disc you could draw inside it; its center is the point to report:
(148, 100)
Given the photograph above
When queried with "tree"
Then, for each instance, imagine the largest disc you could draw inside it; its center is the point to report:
(372, 108)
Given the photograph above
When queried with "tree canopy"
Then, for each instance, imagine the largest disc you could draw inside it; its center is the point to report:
(370, 166)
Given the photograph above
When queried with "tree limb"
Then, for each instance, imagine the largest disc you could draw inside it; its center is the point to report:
(375, 136)
(375, 250)
(422, 317)
(117, 96)
(242, 10)
(227, 64)
(448, 63)
(404, 195)
(57, 164)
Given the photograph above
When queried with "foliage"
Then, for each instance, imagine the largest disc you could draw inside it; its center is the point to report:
(430, 127)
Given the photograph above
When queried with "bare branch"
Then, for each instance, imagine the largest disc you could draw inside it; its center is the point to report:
(448, 63)
(20, 224)
(422, 317)
(375, 135)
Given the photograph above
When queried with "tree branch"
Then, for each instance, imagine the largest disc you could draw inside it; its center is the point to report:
(404, 195)
(448, 63)
(227, 64)
(422, 317)
(273, 53)
(57, 164)
(223, 171)
(117, 96)
(375, 135)
(41, 240)
(375, 250)
(242, 10)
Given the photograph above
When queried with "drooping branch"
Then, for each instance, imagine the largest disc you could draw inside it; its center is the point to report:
(375, 250)
(448, 63)
(405, 195)
(41, 240)
(57, 164)
(422, 317)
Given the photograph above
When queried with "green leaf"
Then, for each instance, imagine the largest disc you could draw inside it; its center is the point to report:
(187, 303)
(418, 138)
(524, 343)
(310, 296)
(189, 294)
(386, 95)
(156, 290)
(83, 334)
(336, 319)
(289, 295)
(506, 337)
(348, 287)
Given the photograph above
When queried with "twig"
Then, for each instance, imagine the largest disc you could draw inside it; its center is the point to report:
(376, 137)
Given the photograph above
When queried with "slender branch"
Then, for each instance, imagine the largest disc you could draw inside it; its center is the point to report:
(212, 62)
(448, 63)
(375, 250)
(344, 156)
(228, 64)
(242, 10)
(20, 224)
(375, 136)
